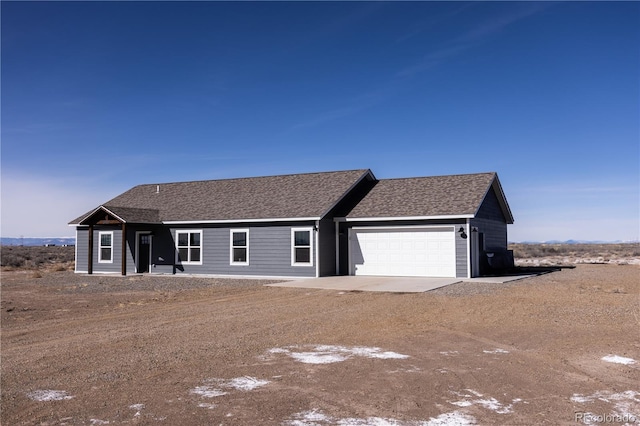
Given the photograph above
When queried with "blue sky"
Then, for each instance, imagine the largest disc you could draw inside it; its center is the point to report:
(100, 96)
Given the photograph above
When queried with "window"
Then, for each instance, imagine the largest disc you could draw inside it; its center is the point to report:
(239, 246)
(301, 247)
(189, 247)
(105, 247)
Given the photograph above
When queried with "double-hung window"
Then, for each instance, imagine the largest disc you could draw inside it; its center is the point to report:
(105, 247)
(189, 247)
(239, 246)
(302, 246)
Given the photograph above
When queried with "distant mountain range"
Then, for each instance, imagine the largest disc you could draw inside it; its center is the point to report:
(37, 241)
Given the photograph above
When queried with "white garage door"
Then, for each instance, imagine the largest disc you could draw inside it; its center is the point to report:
(411, 252)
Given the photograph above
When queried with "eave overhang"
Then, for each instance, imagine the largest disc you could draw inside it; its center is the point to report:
(398, 218)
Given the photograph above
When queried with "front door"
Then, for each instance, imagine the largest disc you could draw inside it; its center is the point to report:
(144, 252)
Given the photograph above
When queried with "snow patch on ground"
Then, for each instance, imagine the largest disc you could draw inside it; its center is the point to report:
(207, 405)
(98, 422)
(49, 395)
(412, 369)
(625, 404)
(138, 408)
(472, 397)
(328, 354)
(449, 353)
(616, 359)
(454, 418)
(308, 418)
(496, 351)
(207, 391)
(318, 418)
(212, 388)
(317, 357)
(246, 383)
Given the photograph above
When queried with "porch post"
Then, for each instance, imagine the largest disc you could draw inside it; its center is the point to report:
(124, 248)
(90, 260)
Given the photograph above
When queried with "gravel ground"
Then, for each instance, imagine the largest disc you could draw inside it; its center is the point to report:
(560, 348)
(84, 284)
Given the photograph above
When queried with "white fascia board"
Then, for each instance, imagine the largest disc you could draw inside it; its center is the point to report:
(278, 219)
(113, 214)
(397, 218)
(94, 211)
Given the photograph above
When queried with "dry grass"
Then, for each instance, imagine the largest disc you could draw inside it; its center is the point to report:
(56, 258)
(562, 254)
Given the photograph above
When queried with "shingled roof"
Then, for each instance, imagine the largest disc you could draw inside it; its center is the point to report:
(309, 195)
(453, 195)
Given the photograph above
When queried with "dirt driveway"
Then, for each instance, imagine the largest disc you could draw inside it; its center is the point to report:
(554, 349)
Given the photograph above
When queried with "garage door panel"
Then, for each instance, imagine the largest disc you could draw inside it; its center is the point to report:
(417, 252)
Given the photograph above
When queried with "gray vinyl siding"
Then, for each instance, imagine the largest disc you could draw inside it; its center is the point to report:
(115, 266)
(491, 223)
(131, 250)
(327, 247)
(269, 252)
(82, 249)
(462, 260)
(156, 252)
(490, 208)
(494, 233)
(163, 251)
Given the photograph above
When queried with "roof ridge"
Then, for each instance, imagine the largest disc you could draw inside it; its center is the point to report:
(252, 177)
(437, 176)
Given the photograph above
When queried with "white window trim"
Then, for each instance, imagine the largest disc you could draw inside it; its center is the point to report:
(293, 247)
(100, 233)
(189, 231)
(231, 246)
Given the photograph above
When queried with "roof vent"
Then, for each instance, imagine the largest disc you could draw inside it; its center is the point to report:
(157, 189)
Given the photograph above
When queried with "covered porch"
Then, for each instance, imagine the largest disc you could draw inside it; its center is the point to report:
(120, 231)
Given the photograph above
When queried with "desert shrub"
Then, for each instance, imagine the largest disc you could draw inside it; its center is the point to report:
(31, 257)
(11, 259)
(606, 251)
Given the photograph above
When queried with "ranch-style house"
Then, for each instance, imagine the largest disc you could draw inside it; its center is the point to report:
(299, 225)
